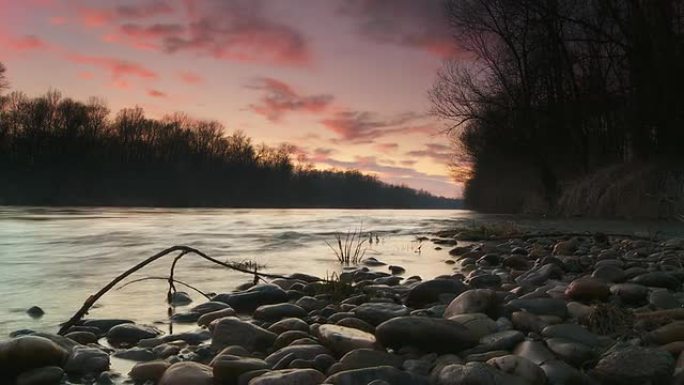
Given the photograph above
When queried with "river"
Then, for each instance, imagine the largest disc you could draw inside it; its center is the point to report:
(56, 257)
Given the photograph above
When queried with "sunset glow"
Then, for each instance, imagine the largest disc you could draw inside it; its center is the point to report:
(344, 82)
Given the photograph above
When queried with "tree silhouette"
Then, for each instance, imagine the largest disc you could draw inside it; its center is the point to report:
(555, 89)
(4, 84)
(58, 151)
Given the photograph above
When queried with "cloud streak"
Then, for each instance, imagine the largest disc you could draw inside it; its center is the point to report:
(439, 153)
(365, 126)
(118, 69)
(439, 184)
(280, 98)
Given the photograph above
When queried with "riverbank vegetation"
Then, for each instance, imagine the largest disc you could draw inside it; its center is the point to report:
(571, 107)
(58, 151)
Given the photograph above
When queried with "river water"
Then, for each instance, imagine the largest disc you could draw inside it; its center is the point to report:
(56, 257)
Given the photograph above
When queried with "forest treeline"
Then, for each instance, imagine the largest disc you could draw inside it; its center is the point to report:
(568, 106)
(58, 151)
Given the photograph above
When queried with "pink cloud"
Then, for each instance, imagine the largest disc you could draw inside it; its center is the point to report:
(386, 147)
(94, 17)
(156, 94)
(118, 69)
(364, 126)
(190, 77)
(25, 43)
(86, 75)
(439, 153)
(280, 98)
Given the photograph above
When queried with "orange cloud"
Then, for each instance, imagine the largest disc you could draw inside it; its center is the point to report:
(386, 147)
(439, 184)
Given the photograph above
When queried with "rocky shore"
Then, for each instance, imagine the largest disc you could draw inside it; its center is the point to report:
(532, 309)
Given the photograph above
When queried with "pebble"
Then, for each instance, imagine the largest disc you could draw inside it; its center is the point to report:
(87, 360)
(634, 365)
(429, 334)
(376, 313)
(35, 312)
(428, 292)
(48, 375)
(341, 339)
(364, 376)
(277, 312)
(29, 352)
(229, 331)
(187, 373)
(474, 301)
(289, 377)
(587, 289)
(149, 371)
(130, 334)
(228, 368)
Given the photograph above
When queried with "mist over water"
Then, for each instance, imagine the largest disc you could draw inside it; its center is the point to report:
(56, 257)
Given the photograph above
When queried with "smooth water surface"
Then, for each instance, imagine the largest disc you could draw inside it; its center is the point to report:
(56, 257)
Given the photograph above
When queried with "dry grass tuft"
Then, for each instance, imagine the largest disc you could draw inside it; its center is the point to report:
(349, 248)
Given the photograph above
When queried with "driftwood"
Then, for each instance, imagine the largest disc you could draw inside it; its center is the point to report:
(184, 250)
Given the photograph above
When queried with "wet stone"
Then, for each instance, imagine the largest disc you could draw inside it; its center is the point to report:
(634, 365)
(428, 334)
(376, 313)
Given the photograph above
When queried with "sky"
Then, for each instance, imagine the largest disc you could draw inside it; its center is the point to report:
(344, 82)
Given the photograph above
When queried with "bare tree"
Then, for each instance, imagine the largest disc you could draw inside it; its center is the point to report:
(562, 87)
(4, 83)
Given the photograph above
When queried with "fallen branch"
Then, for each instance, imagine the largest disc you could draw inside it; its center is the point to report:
(183, 249)
(166, 279)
